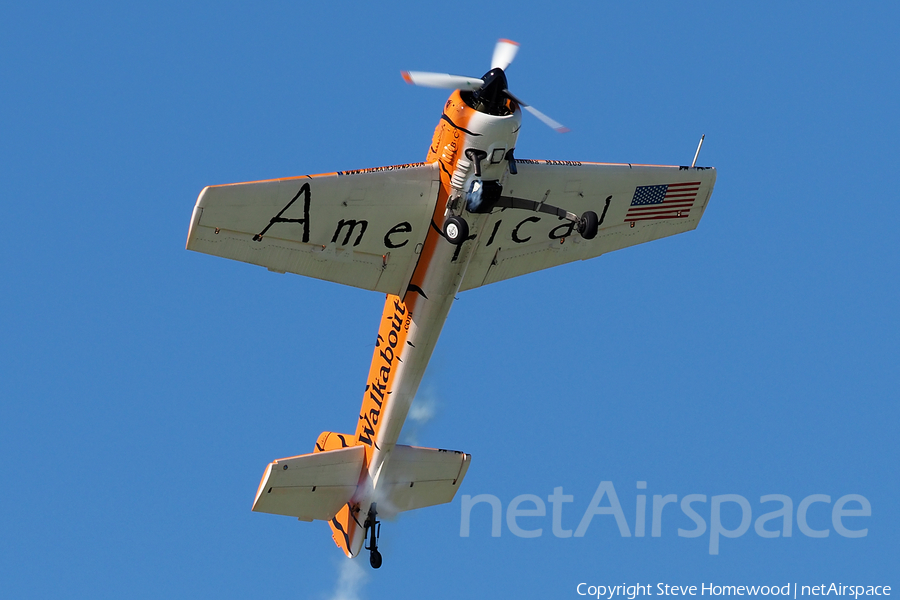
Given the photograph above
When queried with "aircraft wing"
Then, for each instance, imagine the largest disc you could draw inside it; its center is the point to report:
(635, 203)
(360, 228)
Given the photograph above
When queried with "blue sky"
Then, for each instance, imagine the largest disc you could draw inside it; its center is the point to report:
(144, 388)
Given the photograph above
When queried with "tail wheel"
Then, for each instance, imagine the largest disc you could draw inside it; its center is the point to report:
(587, 225)
(456, 230)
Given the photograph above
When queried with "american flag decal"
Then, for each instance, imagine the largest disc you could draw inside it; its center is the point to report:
(671, 201)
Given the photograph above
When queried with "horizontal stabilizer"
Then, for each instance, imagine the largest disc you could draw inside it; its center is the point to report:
(419, 477)
(311, 486)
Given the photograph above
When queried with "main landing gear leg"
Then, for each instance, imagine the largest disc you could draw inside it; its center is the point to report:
(587, 224)
(373, 528)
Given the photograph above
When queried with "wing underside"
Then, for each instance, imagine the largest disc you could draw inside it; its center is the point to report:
(359, 228)
(635, 203)
(365, 228)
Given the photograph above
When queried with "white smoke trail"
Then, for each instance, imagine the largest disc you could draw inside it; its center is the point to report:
(351, 578)
(423, 409)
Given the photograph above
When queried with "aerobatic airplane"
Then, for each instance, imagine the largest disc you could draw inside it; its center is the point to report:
(470, 215)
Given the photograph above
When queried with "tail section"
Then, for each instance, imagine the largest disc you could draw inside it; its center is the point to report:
(327, 485)
(347, 476)
(419, 477)
(310, 486)
(345, 524)
(328, 440)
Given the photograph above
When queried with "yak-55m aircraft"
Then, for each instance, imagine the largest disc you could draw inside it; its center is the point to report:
(470, 215)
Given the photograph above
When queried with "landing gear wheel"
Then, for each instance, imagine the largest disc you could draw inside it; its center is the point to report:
(375, 559)
(373, 530)
(587, 225)
(456, 230)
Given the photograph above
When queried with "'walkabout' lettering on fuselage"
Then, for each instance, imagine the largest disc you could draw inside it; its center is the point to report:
(388, 346)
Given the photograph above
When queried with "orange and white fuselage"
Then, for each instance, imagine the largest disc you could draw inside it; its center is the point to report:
(410, 326)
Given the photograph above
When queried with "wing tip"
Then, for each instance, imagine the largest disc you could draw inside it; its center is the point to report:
(195, 218)
(262, 483)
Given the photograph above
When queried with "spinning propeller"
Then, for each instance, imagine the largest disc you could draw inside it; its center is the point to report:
(490, 92)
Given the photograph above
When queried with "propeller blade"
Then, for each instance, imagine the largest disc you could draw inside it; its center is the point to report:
(504, 53)
(559, 127)
(441, 80)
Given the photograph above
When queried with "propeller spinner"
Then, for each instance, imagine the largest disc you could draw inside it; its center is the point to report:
(490, 92)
